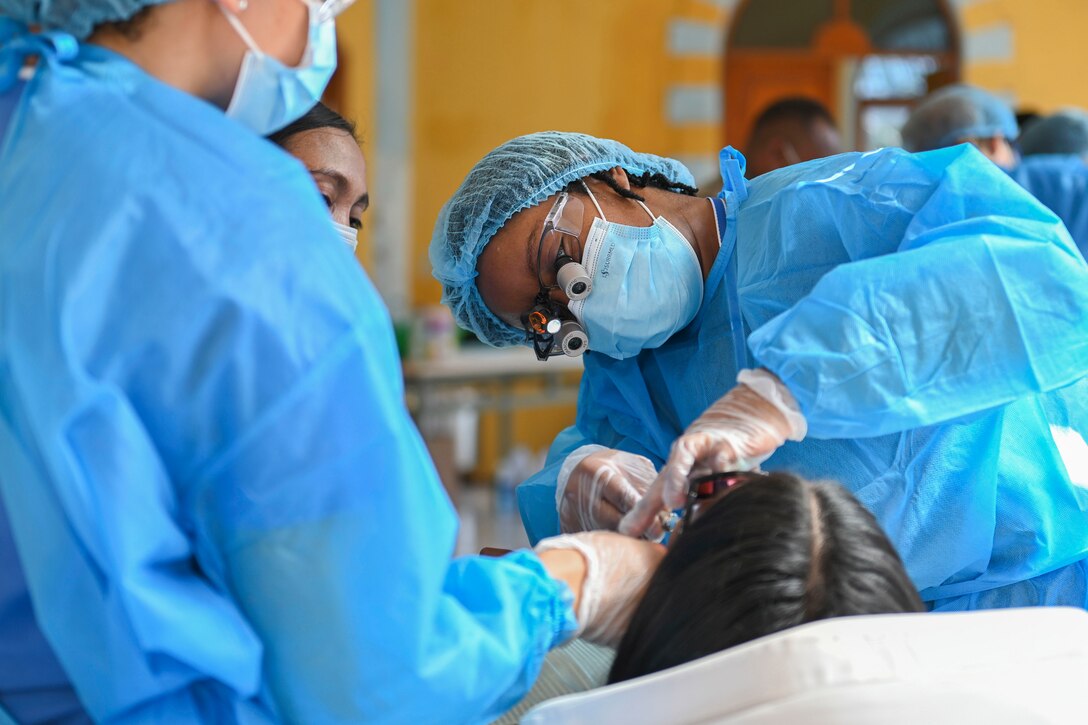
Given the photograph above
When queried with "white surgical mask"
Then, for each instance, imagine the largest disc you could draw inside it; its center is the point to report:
(350, 235)
(647, 285)
(268, 94)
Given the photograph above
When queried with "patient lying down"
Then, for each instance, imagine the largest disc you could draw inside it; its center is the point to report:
(761, 553)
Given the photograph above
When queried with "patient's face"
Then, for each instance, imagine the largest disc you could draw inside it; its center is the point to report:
(336, 163)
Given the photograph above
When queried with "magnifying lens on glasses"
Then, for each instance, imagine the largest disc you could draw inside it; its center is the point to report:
(572, 277)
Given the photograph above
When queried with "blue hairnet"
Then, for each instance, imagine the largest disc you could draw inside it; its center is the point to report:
(517, 175)
(1066, 132)
(955, 113)
(78, 17)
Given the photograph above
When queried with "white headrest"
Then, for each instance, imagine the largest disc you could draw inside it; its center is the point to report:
(1005, 666)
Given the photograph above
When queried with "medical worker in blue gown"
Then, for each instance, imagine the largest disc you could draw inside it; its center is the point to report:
(1053, 167)
(1051, 158)
(1064, 133)
(915, 326)
(213, 505)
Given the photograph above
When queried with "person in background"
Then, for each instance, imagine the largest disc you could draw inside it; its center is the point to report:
(1064, 133)
(214, 507)
(963, 114)
(788, 132)
(326, 144)
(763, 552)
(1060, 182)
(914, 326)
(1026, 117)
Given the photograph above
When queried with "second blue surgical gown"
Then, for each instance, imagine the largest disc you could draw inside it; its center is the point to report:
(931, 318)
(221, 508)
(1060, 182)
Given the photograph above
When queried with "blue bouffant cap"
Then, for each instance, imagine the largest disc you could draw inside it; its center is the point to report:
(1066, 132)
(78, 17)
(517, 175)
(955, 113)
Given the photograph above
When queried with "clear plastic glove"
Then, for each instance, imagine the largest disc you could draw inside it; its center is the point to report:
(737, 433)
(618, 568)
(598, 485)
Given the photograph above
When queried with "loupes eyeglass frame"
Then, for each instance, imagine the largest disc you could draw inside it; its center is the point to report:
(564, 220)
(550, 332)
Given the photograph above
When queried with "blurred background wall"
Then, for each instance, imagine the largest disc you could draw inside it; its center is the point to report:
(435, 84)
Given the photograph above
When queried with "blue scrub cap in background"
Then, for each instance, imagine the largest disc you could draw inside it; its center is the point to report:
(1066, 132)
(78, 17)
(517, 175)
(955, 113)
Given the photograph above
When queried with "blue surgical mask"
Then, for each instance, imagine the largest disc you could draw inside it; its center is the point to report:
(647, 285)
(268, 94)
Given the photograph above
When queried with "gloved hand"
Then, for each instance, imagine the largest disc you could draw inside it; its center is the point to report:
(737, 433)
(618, 568)
(598, 485)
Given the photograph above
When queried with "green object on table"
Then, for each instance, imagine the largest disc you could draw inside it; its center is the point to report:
(402, 329)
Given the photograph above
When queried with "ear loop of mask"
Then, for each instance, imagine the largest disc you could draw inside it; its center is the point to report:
(598, 206)
(573, 340)
(239, 28)
(236, 23)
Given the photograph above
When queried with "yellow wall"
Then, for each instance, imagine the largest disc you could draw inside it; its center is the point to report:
(1049, 51)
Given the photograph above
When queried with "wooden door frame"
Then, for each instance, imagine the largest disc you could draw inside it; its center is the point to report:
(953, 56)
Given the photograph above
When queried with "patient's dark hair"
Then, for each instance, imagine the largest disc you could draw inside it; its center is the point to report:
(770, 554)
(320, 116)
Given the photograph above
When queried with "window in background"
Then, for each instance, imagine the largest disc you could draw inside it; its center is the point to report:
(885, 88)
(868, 61)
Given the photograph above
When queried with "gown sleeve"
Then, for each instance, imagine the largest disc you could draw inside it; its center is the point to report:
(218, 499)
(1061, 184)
(958, 293)
(328, 524)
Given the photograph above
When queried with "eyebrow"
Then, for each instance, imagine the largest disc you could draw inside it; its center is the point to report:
(339, 179)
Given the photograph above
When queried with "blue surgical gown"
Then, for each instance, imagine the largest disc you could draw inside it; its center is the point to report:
(1060, 182)
(931, 319)
(216, 505)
